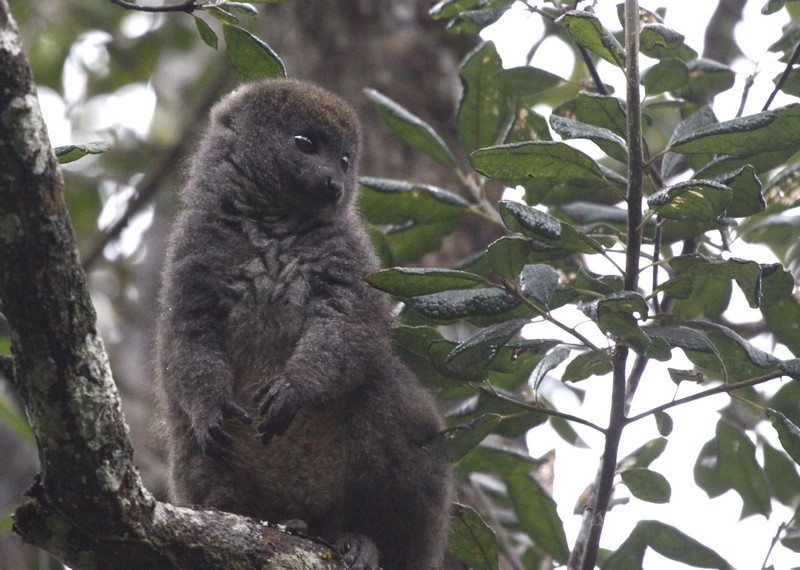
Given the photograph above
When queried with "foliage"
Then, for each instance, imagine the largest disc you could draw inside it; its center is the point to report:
(711, 183)
(563, 254)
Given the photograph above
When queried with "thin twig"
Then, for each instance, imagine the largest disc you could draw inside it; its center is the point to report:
(721, 389)
(784, 76)
(492, 393)
(187, 7)
(584, 555)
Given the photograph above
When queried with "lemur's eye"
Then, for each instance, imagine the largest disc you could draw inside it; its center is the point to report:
(304, 143)
(344, 162)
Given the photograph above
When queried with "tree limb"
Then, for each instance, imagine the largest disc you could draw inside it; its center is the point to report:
(88, 506)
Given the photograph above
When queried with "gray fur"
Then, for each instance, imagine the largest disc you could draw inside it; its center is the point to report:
(263, 293)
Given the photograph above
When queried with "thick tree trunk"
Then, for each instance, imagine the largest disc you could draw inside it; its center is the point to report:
(88, 506)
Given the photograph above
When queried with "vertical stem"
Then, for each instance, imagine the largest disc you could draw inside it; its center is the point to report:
(635, 157)
(584, 555)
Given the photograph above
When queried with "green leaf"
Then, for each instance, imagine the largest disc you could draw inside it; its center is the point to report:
(451, 8)
(471, 22)
(485, 345)
(694, 267)
(675, 163)
(746, 136)
(615, 315)
(611, 143)
(788, 433)
(660, 42)
(415, 346)
(706, 79)
(250, 56)
(516, 420)
(729, 462)
(667, 75)
(208, 35)
(788, 39)
(73, 152)
(222, 15)
(556, 356)
(746, 198)
(587, 364)
(772, 6)
(528, 126)
(664, 423)
(644, 455)
(586, 30)
(245, 8)
(667, 541)
(553, 160)
(484, 113)
(413, 281)
(472, 541)
(691, 201)
(714, 348)
(415, 217)
(525, 81)
(647, 485)
(694, 376)
(495, 460)
(546, 228)
(452, 444)
(603, 111)
(537, 514)
(782, 474)
(479, 306)
(412, 130)
(538, 282)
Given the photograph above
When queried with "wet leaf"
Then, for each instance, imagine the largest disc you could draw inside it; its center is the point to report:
(691, 268)
(452, 444)
(647, 485)
(414, 217)
(788, 433)
(411, 129)
(208, 35)
(485, 345)
(538, 282)
(472, 541)
(660, 42)
(611, 143)
(691, 201)
(526, 81)
(546, 228)
(250, 56)
(586, 30)
(413, 281)
(587, 364)
(73, 152)
(746, 136)
(483, 113)
(729, 463)
(537, 514)
(552, 160)
(667, 541)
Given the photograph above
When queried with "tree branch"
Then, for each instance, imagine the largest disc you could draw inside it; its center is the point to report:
(722, 389)
(88, 506)
(587, 546)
